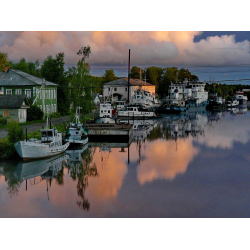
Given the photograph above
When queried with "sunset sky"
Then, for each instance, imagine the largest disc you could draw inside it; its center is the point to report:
(166, 48)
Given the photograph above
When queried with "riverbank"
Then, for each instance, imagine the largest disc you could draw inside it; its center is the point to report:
(36, 126)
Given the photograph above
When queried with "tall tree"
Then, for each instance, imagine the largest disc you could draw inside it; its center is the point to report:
(153, 75)
(4, 61)
(52, 70)
(109, 75)
(82, 84)
(136, 72)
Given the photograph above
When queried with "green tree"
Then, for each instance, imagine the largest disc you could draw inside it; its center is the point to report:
(52, 70)
(109, 76)
(136, 72)
(82, 84)
(34, 68)
(84, 52)
(4, 61)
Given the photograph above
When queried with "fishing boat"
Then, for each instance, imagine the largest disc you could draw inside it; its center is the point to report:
(139, 112)
(51, 144)
(76, 133)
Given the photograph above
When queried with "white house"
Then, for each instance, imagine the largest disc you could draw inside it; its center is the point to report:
(118, 90)
(96, 99)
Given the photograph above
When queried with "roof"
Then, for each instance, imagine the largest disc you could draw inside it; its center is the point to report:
(13, 101)
(124, 81)
(18, 78)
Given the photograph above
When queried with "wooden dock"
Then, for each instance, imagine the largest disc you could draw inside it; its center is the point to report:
(109, 132)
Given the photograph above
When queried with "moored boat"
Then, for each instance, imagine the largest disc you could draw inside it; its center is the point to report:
(134, 111)
(105, 114)
(76, 134)
(232, 103)
(51, 144)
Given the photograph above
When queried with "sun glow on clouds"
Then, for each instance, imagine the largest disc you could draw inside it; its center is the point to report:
(111, 47)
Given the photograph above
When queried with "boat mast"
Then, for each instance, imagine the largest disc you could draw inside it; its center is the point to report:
(128, 72)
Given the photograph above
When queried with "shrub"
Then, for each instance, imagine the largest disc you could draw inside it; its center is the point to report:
(34, 113)
(15, 132)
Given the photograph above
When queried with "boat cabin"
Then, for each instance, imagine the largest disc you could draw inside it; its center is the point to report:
(50, 135)
(120, 104)
(105, 110)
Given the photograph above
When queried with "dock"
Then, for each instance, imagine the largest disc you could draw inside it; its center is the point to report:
(109, 132)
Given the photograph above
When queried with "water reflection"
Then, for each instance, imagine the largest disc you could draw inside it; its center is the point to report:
(80, 169)
(99, 177)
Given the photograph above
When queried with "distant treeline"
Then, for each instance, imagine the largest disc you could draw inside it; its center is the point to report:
(76, 85)
(225, 90)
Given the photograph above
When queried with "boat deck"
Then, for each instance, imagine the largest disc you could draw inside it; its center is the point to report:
(107, 126)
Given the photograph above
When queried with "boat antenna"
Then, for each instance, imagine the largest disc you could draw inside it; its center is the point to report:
(128, 72)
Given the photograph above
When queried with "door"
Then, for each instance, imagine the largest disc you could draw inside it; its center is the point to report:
(5, 113)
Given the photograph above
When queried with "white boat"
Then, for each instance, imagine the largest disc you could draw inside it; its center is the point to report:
(239, 96)
(233, 103)
(136, 112)
(143, 97)
(188, 95)
(120, 104)
(50, 144)
(105, 114)
(76, 134)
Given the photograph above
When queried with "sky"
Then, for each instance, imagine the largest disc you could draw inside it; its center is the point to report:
(207, 54)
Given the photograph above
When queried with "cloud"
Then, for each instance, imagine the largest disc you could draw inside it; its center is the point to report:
(111, 47)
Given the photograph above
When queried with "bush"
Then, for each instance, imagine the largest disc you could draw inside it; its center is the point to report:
(6, 148)
(15, 132)
(54, 115)
(34, 113)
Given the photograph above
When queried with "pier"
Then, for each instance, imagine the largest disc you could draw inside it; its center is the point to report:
(109, 132)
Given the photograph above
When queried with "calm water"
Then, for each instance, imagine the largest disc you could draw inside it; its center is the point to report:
(179, 166)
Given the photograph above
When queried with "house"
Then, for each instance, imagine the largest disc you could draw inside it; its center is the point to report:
(117, 90)
(14, 107)
(38, 91)
(96, 99)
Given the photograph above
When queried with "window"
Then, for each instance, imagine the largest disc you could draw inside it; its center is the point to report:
(34, 91)
(126, 89)
(8, 91)
(115, 89)
(2, 91)
(108, 89)
(28, 92)
(18, 92)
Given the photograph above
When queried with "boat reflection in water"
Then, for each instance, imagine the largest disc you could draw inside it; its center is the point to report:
(37, 171)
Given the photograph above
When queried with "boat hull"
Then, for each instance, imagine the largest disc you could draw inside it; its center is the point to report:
(77, 141)
(30, 150)
(138, 114)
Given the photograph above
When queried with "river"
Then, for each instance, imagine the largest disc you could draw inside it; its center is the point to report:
(187, 166)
